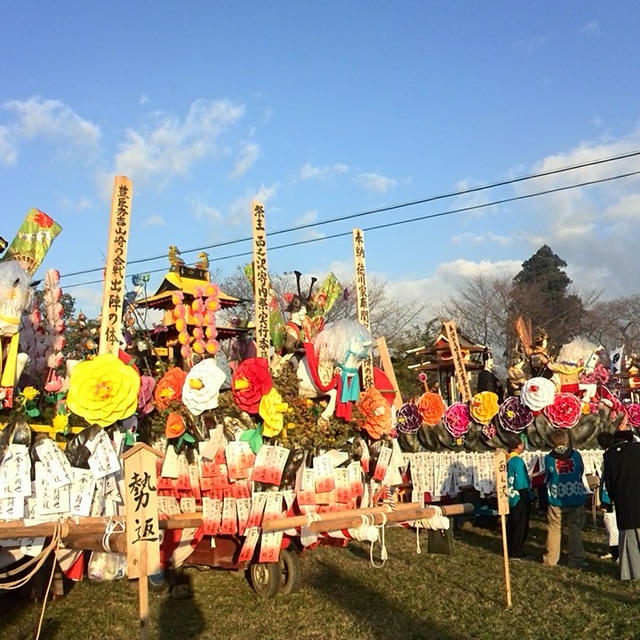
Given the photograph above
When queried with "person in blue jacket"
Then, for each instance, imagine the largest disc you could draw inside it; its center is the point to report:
(563, 474)
(519, 488)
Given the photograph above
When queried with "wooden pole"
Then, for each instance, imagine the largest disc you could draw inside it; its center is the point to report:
(260, 281)
(458, 361)
(503, 510)
(362, 299)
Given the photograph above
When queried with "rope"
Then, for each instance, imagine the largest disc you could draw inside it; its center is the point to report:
(383, 546)
(39, 560)
(112, 526)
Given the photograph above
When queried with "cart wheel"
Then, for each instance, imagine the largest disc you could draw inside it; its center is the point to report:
(289, 572)
(264, 578)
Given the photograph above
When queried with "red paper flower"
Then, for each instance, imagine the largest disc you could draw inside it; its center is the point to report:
(169, 388)
(250, 382)
(432, 407)
(565, 411)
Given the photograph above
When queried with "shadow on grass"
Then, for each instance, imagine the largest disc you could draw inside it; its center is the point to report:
(180, 618)
(384, 618)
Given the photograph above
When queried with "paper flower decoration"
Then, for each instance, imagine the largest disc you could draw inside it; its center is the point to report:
(103, 390)
(457, 419)
(202, 386)
(376, 412)
(484, 406)
(250, 382)
(60, 422)
(169, 388)
(431, 407)
(565, 411)
(633, 414)
(514, 416)
(537, 393)
(409, 418)
(271, 410)
(489, 431)
(145, 395)
(175, 426)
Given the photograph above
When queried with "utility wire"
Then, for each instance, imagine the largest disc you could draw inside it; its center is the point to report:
(392, 207)
(428, 216)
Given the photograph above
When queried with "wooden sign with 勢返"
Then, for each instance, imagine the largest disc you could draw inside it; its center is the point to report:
(260, 280)
(142, 530)
(114, 276)
(502, 493)
(458, 361)
(362, 299)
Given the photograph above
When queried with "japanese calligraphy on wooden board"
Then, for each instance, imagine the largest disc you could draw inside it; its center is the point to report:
(260, 280)
(362, 299)
(114, 277)
(143, 546)
(458, 361)
(501, 481)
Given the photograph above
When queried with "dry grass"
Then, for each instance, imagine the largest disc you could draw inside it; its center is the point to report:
(414, 596)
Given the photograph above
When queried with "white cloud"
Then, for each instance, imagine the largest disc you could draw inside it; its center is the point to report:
(248, 154)
(240, 209)
(306, 218)
(205, 212)
(75, 205)
(8, 153)
(626, 208)
(143, 99)
(171, 146)
(52, 119)
(153, 221)
(530, 45)
(375, 182)
(309, 172)
(88, 299)
(487, 238)
(592, 28)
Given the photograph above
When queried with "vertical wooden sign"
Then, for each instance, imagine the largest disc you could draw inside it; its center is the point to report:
(362, 299)
(114, 277)
(458, 361)
(141, 502)
(503, 509)
(260, 280)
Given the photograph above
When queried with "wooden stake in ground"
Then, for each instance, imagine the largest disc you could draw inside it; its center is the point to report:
(114, 277)
(141, 500)
(260, 280)
(503, 510)
(362, 299)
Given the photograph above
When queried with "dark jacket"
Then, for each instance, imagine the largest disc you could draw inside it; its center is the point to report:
(621, 475)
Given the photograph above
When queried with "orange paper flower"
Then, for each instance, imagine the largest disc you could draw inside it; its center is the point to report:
(431, 407)
(169, 388)
(484, 406)
(376, 411)
(175, 426)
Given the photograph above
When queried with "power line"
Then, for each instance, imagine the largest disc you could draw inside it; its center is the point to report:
(428, 216)
(392, 207)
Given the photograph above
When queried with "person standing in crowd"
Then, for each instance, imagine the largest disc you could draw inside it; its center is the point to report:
(621, 477)
(566, 495)
(605, 440)
(519, 488)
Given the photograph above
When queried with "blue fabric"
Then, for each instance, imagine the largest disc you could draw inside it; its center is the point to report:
(517, 478)
(350, 384)
(564, 480)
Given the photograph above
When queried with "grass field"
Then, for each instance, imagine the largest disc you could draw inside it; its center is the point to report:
(430, 596)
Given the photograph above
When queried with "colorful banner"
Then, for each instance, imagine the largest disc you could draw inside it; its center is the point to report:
(33, 240)
(326, 296)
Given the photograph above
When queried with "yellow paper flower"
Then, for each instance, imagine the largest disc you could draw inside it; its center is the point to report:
(103, 390)
(484, 406)
(60, 422)
(30, 393)
(272, 411)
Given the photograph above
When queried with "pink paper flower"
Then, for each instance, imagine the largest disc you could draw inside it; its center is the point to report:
(565, 411)
(457, 419)
(145, 395)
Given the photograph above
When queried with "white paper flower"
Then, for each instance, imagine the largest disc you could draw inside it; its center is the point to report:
(538, 393)
(202, 386)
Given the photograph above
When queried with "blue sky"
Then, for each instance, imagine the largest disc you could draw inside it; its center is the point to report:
(322, 110)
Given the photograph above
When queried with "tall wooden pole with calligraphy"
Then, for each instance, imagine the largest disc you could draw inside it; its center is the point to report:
(362, 299)
(458, 361)
(114, 278)
(260, 280)
(503, 509)
(141, 502)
